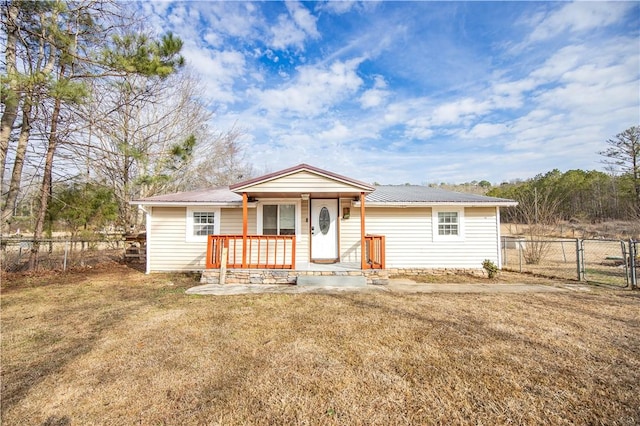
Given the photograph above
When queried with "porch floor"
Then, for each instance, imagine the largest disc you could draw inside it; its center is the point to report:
(327, 267)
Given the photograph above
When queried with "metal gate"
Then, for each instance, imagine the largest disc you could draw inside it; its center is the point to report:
(609, 262)
(604, 262)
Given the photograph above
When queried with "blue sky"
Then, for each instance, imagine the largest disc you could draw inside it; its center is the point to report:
(419, 92)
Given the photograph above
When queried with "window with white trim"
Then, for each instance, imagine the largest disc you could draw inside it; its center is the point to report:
(202, 221)
(448, 224)
(278, 217)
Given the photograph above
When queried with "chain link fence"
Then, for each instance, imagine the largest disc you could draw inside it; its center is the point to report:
(599, 261)
(60, 254)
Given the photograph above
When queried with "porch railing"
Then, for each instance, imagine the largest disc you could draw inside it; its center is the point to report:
(374, 251)
(262, 251)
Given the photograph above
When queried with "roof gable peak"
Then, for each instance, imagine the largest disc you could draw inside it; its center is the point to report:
(303, 167)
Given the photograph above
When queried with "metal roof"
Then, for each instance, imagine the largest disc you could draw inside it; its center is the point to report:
(221, 195)
(424, 194)
(382, 195)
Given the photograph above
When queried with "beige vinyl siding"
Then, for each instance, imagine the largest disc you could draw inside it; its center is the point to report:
(167, 247)
(407, 232)
(302, 240)
(350, 233)
(231, 221)
(302, 182)
(409, 238)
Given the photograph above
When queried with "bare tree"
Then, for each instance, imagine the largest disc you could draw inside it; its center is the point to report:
(623, 154)
(54, 49)
(219, 162)
(146, 136)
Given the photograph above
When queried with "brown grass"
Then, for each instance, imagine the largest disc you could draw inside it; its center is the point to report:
(114, 346)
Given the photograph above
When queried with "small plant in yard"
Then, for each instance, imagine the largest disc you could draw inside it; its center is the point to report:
(490, 267)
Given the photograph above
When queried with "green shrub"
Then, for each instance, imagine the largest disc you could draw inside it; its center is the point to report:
(490, 267)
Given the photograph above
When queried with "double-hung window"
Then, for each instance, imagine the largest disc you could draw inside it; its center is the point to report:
(448, 224)
(279, 219)
(202, 221)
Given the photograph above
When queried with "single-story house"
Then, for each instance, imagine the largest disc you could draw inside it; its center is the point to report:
(304, 220)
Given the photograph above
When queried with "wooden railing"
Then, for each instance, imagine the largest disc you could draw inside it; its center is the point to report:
(262, 251)
(374, 251)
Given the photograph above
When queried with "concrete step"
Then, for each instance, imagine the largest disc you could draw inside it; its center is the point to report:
(332, 281)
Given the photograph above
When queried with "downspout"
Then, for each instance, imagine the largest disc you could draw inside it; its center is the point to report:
(363, 260)
(499, 237)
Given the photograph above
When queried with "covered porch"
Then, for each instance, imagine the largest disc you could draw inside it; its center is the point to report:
(302, 219)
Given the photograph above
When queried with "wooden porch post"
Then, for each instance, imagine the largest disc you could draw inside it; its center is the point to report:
(363, 259)
(245, 227)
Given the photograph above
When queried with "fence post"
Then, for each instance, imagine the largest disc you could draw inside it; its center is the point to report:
(632, 263)
(66, 251)
(578, 257)
(504, 251)
(520, 255)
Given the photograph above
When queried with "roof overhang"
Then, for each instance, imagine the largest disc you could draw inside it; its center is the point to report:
(233, 204)
(397, 204)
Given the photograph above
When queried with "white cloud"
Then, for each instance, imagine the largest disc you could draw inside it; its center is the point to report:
(293, 30)
(313, 91)
(579, 17)
(486, 130)
(303, 18)
(338, 133)
(375, 96)
(220, 70)
(286, 34)
(459, 111)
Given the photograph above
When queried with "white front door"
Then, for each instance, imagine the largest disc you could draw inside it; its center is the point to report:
(324, 229)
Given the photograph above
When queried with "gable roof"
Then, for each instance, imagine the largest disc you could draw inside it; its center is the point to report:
(383, 195)
(240, 186)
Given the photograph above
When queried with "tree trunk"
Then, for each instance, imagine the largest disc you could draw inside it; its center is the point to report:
(45, 190)
(16, 176)
(10, 98)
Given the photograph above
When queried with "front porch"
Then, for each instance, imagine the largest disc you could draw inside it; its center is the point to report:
(303, 225)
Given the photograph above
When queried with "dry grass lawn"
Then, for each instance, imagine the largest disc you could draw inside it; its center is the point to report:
(113, 346)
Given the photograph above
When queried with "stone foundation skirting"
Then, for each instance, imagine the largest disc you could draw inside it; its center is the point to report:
(280, 276)
(398, 272)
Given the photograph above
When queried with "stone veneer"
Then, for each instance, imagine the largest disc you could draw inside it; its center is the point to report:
(286, 276)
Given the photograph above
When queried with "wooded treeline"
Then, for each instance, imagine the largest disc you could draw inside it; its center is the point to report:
(575, 195)
(581, 195)
(96, 111)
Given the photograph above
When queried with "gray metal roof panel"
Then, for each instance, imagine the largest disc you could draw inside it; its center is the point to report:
(382, 194)
(210, 195)
(426, 194)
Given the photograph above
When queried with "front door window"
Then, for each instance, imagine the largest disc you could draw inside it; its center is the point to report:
(324, 221)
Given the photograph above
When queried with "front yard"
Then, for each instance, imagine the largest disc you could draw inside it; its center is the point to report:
(114, 346)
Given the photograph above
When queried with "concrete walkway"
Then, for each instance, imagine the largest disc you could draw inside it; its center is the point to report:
(394, 286)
